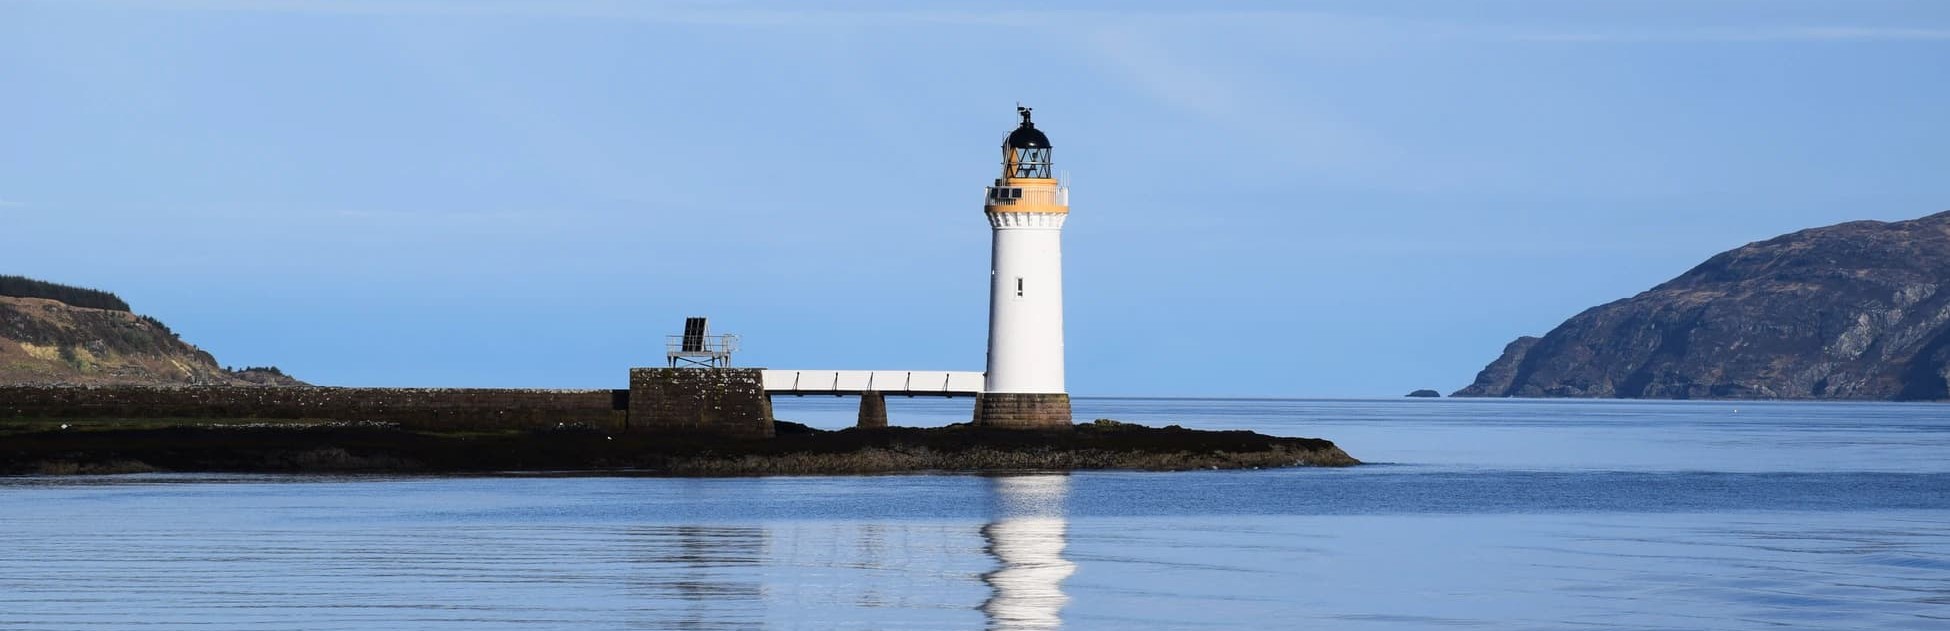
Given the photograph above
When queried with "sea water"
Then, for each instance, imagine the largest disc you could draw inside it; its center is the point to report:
(1474, 514)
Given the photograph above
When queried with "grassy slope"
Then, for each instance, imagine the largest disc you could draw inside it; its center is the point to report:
(46, 341)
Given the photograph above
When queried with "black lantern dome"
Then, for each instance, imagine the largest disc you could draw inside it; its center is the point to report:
(1026, 153)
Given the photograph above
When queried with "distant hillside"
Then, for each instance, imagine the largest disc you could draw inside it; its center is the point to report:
(1851, 311)
(57, 334)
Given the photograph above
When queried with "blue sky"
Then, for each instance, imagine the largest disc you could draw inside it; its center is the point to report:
(1275, 199)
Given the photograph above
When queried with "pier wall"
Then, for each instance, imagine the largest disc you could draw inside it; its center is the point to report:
(724, 401)
(423, 408)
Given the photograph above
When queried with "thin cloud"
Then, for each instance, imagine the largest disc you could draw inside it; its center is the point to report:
(678, 12)
(1757, 35)
(1227, 95)
(1347, 29)
(420, 216)
(1351, 30)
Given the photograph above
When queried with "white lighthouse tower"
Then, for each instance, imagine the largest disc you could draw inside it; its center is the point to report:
(1023, 387)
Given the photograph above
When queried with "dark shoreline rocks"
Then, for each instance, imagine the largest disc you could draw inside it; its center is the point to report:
(796, 450)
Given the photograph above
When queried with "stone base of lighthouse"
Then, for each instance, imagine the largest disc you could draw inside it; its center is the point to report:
(1013, 410)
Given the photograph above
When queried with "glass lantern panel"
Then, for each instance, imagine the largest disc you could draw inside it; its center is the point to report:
(1032, 162)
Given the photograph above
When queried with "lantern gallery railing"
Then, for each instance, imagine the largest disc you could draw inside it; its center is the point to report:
(940, 383)
(1012, 195)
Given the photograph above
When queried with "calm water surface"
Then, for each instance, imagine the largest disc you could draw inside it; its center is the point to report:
(1483, 514)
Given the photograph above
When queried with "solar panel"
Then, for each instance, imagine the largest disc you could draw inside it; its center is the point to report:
(693, 335)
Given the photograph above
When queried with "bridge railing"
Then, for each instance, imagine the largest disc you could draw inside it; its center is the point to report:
(930, 382)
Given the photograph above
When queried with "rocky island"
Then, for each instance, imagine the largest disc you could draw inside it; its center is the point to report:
(1850, 311)
(87, 386)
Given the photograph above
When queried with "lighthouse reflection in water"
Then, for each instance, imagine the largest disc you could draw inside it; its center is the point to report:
(1026, 537)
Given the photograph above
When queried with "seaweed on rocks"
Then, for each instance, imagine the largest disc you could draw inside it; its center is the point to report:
(796, 450)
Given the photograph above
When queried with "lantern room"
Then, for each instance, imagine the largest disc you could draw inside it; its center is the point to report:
(1026, 153)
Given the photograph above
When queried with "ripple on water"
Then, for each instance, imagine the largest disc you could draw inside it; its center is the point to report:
(1629, 516)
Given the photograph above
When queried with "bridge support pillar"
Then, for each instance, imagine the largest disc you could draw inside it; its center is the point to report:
(1014, 410)
(873, 410)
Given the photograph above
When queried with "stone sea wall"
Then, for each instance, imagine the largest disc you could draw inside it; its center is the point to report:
(423, 408)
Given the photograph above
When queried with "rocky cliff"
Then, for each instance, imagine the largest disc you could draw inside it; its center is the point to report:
(54, 334)
(1850, 311)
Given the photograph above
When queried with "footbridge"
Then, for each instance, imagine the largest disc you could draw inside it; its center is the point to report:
(931, 383)
(872, 386)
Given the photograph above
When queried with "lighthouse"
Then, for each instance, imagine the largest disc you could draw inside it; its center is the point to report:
(1026, 206)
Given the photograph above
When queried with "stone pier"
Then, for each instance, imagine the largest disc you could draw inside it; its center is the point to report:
(433, 409)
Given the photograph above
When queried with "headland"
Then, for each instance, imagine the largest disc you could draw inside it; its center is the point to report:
(1852, 311)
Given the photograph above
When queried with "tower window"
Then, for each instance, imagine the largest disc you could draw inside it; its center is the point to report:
(1018, 286)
